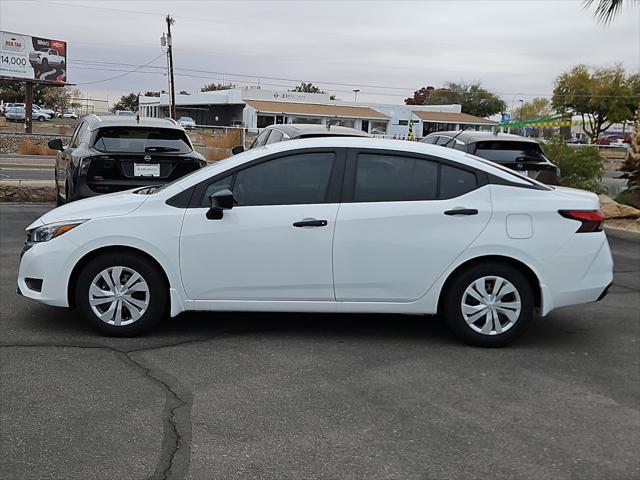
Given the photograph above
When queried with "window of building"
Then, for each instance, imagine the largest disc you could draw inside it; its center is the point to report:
(388, 178)
(378, 127)
(265, 121)
(314, 120)
(295, 179)
(403, 122)
(342, 122)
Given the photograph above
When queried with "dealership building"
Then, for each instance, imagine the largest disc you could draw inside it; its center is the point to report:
(256, 108)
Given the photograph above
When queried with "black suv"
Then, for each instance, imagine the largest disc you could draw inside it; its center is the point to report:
(521, 154)
(282, 132)
(109, 154)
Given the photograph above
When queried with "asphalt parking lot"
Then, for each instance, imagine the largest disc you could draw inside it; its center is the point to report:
(317, 396)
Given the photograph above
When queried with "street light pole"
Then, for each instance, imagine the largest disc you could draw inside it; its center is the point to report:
(171, 21)
(355, 95)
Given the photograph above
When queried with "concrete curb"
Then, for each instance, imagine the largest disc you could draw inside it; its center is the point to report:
(27, 191)
(622, 234)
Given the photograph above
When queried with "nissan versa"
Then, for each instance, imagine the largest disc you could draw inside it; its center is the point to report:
(326, 225)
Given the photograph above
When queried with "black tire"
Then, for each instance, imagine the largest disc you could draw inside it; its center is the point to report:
(158, 294)
(41, 119)
(452, 310)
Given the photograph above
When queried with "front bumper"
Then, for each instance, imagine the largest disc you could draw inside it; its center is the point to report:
(52, 262)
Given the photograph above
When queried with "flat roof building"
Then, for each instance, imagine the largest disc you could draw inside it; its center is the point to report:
(255, 108)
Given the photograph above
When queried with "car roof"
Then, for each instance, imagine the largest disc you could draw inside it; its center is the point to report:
(401, 146)
(473, 136)
(99, 121)
(313, 130)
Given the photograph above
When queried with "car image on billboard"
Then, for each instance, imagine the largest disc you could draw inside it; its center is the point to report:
(33, 58)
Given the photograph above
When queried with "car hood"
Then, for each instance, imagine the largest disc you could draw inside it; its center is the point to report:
(111, 205)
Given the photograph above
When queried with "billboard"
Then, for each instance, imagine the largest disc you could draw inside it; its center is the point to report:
(32, 58)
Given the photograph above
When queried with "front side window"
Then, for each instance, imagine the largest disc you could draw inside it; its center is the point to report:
(388, 178)
(141, 139)
(75, 138)
(295, 179)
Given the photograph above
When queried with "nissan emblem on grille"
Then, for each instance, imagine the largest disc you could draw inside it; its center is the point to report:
(147, 158)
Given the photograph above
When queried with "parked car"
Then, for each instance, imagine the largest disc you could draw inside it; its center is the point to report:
(40, 115)
(15, 114)
(187, 123)
(282, 132)
(521, 154)
(46, 58)
(111, 154)
(614, 139)
(326, 225)
(48, 111)
(69, 114)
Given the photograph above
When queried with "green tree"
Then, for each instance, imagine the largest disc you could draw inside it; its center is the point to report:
(474, 99)
(212, 87)
(579, 167)
(606, 10)
(127, 102)
(14, 91)
(601, 96)
(307, 88)
(61, 98)
(151, 94)
(536, 108)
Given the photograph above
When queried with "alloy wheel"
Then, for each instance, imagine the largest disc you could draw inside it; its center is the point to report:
(119, 296)
(491, 305)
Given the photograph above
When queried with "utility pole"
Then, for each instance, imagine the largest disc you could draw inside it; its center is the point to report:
(355, 95)
(28, 108)
(171, 21)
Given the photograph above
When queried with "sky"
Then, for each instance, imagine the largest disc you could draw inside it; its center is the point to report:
(386, 49)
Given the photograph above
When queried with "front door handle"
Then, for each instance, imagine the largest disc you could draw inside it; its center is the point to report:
(462, 211)
(310, 222)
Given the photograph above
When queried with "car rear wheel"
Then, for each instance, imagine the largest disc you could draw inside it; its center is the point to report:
(121, 295)
(489, 304)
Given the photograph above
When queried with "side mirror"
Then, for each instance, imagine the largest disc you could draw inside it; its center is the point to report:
(220, 201)
(237, 149)
(56, 144)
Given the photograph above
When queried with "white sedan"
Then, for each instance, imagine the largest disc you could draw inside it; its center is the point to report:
(326, 225)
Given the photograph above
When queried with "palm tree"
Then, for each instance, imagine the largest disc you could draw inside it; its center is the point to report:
(606, 10)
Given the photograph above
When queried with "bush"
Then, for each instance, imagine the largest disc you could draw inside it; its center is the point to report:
(580, 167)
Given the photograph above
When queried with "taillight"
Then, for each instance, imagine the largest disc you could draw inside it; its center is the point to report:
(591, 220)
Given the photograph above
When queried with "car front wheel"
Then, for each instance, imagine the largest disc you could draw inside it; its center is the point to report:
(122, 295)
(489, 304)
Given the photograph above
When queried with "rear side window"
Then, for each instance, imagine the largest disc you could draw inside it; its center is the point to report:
(389, 178)
(430, 139)
(141, 139)
(295, 179)
(275, 137)
(506, 152)
(455, 182)
(442, 141)
(386, 178)
(261, 139)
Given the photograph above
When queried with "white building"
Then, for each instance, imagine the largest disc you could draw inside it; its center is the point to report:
(255, 108)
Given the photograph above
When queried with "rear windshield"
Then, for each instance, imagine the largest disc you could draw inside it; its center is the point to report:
(141, 139)
(505, 152)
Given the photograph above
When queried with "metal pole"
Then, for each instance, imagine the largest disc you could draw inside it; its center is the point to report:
(170, 22)
(28, 108)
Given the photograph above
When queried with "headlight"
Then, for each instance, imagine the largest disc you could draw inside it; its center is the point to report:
(51, 230)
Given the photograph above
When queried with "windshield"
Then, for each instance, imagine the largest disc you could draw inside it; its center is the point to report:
(141, 140)
(185, 119)
(507, 152)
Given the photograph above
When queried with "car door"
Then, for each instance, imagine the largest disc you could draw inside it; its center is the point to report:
(63, 158)
(275, 243)
(404, 219)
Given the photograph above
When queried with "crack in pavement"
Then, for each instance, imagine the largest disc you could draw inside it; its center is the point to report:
(175, 453)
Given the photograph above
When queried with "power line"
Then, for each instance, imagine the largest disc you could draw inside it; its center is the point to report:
(124, 74)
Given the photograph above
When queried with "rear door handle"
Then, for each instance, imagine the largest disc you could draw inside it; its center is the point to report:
(462, 211)
(310, 222)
